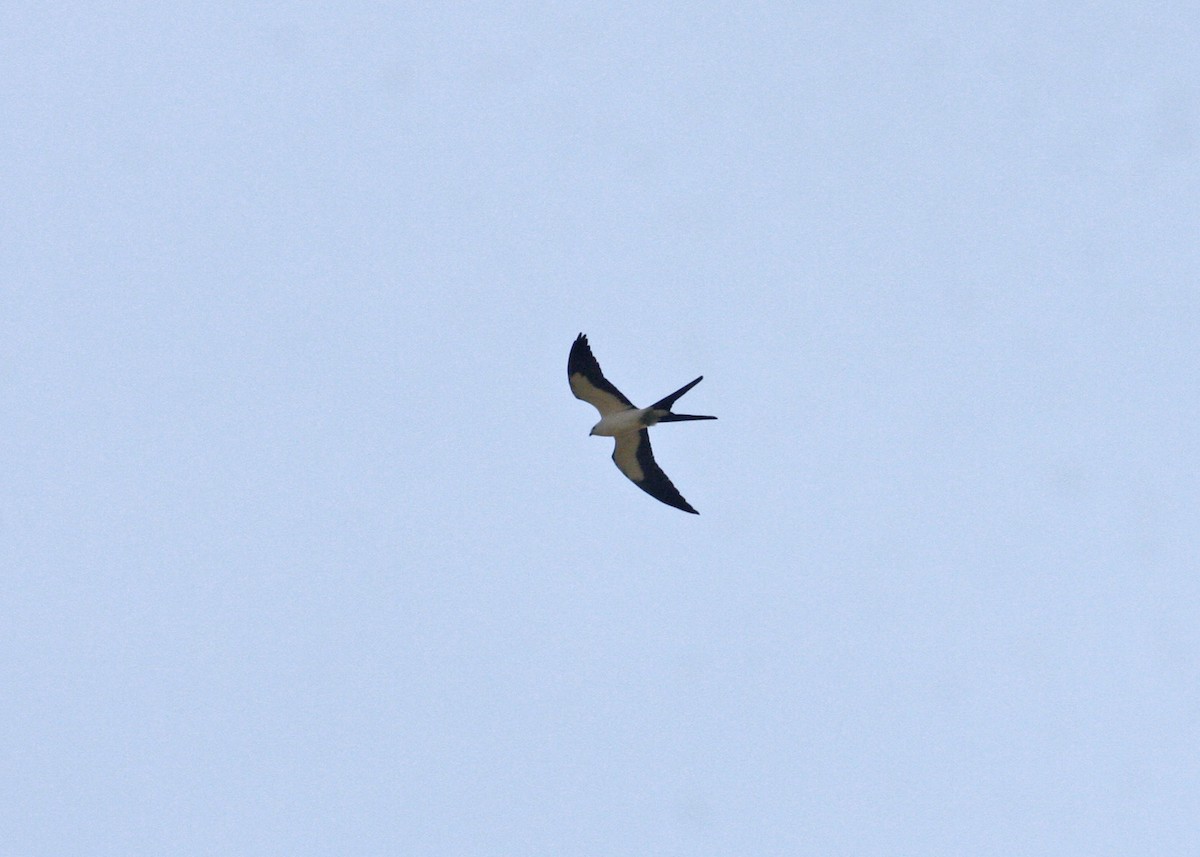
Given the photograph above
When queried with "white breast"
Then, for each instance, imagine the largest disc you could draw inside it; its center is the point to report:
(621, 422)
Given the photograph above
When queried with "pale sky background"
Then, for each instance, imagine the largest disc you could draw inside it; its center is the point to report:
(306, 549)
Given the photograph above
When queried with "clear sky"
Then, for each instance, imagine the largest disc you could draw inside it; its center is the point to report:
(306, 549)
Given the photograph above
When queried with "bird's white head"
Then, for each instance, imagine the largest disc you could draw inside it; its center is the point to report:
(618, 423)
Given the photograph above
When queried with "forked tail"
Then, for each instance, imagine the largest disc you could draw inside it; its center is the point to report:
(664, 404)
(679, 418)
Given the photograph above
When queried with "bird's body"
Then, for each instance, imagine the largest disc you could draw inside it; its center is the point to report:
(620, 422)
(620, 419)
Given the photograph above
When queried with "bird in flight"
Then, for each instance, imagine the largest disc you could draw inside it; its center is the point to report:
(619, 419)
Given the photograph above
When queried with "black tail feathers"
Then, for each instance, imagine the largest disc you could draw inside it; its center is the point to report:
(664, 404)
(679, 418)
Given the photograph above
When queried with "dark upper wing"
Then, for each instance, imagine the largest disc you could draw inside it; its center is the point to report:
(635, 459)
(588, 382)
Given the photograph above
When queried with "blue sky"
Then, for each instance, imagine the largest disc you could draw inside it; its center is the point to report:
(307, 550)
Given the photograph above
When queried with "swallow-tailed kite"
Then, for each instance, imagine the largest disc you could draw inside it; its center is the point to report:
(621, 420)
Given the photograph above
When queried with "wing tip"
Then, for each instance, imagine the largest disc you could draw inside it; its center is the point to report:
(685, 506)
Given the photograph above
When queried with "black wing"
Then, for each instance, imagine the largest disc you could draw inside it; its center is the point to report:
(588, 382)
(635, 459)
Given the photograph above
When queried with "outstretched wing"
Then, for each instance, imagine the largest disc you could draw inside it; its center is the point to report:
(635, 459)
(588, 382)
